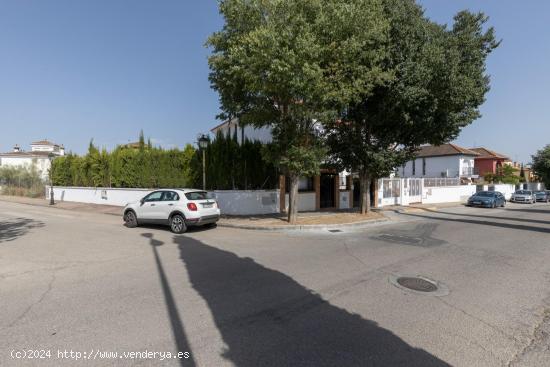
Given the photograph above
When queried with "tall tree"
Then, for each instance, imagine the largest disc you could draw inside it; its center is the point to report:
(270, 67)
(433, 80)
(541, 165)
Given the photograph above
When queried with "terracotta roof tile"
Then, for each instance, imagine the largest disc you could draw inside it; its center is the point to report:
(43, 142)
(486, 153)
(444, 150)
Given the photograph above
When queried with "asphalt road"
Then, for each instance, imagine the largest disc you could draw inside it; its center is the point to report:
(83, 283)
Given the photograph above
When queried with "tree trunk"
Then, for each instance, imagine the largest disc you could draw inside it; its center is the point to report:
(293, 200)
(364, 183)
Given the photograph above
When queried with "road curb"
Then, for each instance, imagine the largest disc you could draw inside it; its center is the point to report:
(305, 227)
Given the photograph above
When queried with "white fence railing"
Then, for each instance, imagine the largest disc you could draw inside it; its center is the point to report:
(441, 182)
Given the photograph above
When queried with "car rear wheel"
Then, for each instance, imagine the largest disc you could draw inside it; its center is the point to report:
(177, 224)
(130, 219)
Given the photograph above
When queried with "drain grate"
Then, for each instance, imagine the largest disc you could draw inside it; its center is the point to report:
(417, 284)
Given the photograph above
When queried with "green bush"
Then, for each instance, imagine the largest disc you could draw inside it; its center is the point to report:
(233, 166)
(124, 167)
(21, 181)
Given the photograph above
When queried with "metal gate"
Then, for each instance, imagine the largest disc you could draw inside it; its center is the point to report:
(415, 190)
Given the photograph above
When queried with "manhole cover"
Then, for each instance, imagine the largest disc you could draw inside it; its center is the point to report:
(417, 284)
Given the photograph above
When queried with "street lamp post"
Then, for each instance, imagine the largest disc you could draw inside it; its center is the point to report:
(51, 156)
(203, 144)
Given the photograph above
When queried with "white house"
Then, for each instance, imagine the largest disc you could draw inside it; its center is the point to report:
(38, 156)
(447, 160)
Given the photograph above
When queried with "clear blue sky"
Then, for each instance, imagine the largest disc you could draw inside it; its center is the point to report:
(105, 69)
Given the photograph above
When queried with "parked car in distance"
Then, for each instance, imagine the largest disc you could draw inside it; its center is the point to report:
(542, 196)
(523, 196)
(177, 208)
(487, 199)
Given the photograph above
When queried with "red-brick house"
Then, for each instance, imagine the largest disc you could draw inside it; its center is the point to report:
(489, 161)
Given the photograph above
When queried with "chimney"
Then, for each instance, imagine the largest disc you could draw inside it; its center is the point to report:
(16, 148)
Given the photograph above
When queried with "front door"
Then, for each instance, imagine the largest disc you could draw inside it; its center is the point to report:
(327, 194)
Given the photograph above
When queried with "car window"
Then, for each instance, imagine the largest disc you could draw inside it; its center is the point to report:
(198, 195)
(170, 196)
(154, 196)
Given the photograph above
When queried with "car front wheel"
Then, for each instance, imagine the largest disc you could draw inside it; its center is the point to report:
(130, 219)
(177, 224)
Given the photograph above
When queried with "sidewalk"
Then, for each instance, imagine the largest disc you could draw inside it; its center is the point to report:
(421, 207)
(66, 205)
(306, 221)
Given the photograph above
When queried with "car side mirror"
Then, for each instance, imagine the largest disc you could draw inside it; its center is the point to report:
(142, 201)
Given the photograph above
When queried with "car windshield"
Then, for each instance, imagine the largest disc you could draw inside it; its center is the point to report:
(199, 195)
(523, 192)
(540, 193)
(485, 194)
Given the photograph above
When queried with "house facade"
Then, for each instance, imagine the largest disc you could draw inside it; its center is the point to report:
(446, 161)
(38, 156)
(489, 162)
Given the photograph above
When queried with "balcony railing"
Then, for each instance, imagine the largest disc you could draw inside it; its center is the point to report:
(469, 171)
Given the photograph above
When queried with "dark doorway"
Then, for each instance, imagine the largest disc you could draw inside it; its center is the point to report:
(357, 193)
(327, 194)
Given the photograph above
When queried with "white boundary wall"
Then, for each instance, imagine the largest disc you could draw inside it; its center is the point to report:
(232, 202)
(447, 194)
(102, 196)
(398, 192)
(245, 202)
(306, 201)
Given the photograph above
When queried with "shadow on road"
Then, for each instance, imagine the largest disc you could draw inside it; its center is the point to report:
(12, 229)
(178, 330)
(481, 222)
(494, 217)
(267, 319)
(539, 211)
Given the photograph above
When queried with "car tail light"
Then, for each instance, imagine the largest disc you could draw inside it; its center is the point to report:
(192, 207)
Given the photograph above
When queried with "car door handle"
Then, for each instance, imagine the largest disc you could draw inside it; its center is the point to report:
(170, 204)
(153, 204)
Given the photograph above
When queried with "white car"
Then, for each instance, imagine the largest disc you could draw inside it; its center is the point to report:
(178, 208)
(524, 196)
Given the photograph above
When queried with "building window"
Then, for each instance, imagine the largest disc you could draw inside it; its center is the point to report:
(423, 166)
(414, 167)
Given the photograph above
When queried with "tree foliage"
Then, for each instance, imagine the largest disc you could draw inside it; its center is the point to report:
(22, 180)
(541, 165)
(275, 63)
(506, 175)
(432, 82)
(230, 165)
(125, 167)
